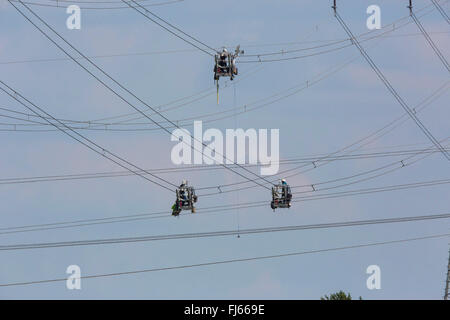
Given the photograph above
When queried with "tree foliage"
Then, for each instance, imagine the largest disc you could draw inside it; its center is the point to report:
(341, 295)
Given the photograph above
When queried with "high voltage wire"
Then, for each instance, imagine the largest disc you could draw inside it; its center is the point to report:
(245, 108)
(316, 164)
(401, 162)
(264, 231)
(197, 96)
(211, 263)
(429, 40)
(328, 161)
(167, 29)
(441, 10)
(219, 233)
(120, 85)
(332, 42)
(168, 2)
(112, 174)
(114, 55)
(209, 47)
(87, 142)
(353, 192)
(313, 185)
(211, 210)
(127, 90)
(100, 2)
(331, 160)
(104, 126)
(166, 22)
(91, 124)
(321, 52)
(95, 2)
(350, 192)
(372, 190)
(389, 86)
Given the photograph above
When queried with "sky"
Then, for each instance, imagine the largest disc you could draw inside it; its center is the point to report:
(344, 107)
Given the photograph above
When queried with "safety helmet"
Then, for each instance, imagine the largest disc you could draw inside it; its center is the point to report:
(283, 180)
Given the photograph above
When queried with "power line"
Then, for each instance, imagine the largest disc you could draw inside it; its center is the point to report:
(315, 53)
(112, 174)
(331, 43)
(168, 23)
(389, 86)
(441, 11)
(90, 144)
(428, 38)
(167, 29)
(340, 194)
(329, 159)
(125, 89)
(97, 124)
(97, 3)
(219, 233)
(400, 164)
(92, 124)
(316, 162)
(136, 217)
(189, 266)
(211, 209)
(174, 51)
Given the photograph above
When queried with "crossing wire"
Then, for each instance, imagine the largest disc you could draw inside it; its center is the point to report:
(328, 160)
(166, 22)
(211, 210)
(125, 89)
(112, 174)
(93, 123)
(83, 7)
(223, 233)
(429, 40)
(389, 86)
(167, 29)
(222, 262)
(15, 94)
(441, 11)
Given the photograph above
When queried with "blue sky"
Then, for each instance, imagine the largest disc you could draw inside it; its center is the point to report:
(332, 114)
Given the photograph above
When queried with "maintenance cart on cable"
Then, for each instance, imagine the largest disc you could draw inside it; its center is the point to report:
(185, 199)
(281, 195)
(225, 65)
